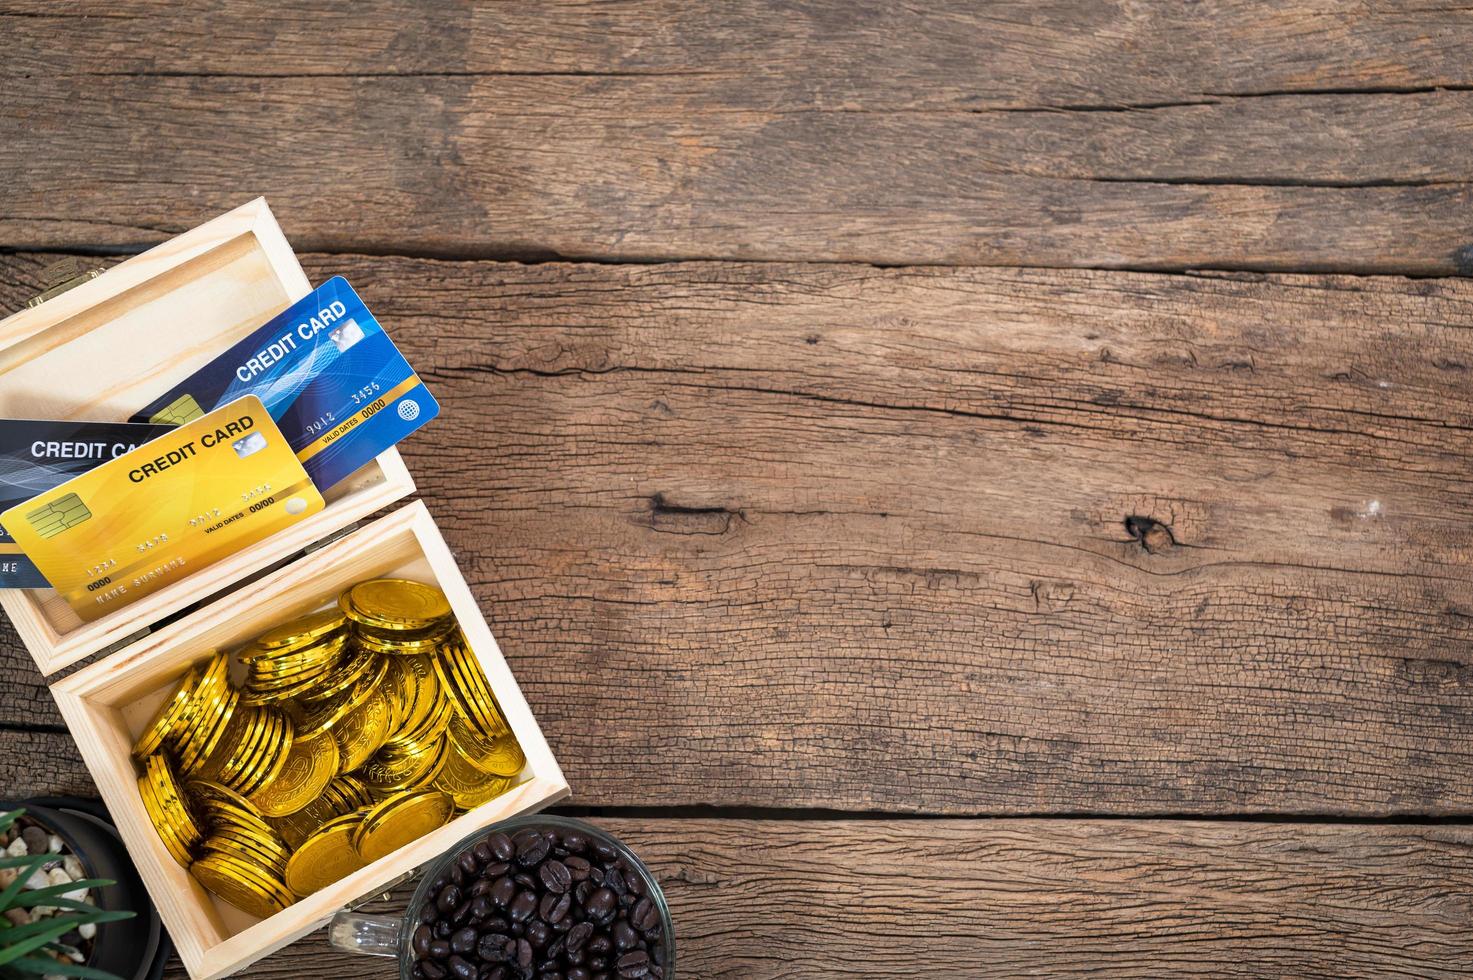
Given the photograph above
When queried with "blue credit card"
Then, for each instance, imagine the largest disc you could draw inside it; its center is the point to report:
(329, 376)
(39, 454)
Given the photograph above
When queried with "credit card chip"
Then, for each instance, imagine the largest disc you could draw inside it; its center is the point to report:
(181, 410)
(61, 514)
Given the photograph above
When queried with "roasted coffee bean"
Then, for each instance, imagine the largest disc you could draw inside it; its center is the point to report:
(422, 939)
(583, 890)
(483, 853)
(578, 936)
(497, 869)
(600, 905)
(604, 851)
(462, 969)
(494, 973)
(524, 879)
(432, 970)
(644, 914)
(552, 974)
(465, 940)
(457, 875)
(613, 879)
(599, 944)
(467, 862)
(501, 846)
(531, 847)
(555, 876)
(596, 875)
(524, 954)
(448, 898)
(575, 841)
(578, 973)
(554, 908)
(481, 887)
(597, 963)
(481, 909)
(442, 929)
(659, 954)
(522, 907)
(577, 867)
(492, 947)
(439, 949)
(538, 933)
(503, 891)
(634, 883)
(634, 964)
(462, 913)
(624, 936)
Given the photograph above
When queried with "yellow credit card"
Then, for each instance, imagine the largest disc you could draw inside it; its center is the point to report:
(179, 503)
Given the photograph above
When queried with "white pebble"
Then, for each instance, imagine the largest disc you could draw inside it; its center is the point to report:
(7, 876)
(73, 867)
(38, 879)
(80, 895)
(17, 848)
(18, 917)
(58, 876)
(53, 844)
(88, 930)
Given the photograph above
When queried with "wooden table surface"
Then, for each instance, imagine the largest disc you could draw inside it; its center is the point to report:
(969, 489)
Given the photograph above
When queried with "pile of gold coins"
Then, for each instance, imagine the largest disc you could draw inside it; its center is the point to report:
(352, 732)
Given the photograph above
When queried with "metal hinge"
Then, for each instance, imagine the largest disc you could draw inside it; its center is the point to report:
(61, 276)
(341, 532)
(112, 648)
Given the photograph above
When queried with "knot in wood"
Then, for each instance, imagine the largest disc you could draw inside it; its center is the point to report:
(1153, 536)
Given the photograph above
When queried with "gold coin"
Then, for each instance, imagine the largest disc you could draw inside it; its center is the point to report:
(462, 675)
(266, 851)
(394, 604)
(311, 764)
(268, 762)
(167, 808)
(429, 732)
(303, 632)
(247, 729)
(344, 676)
(421, 687)
(222, 804)
(401, 819)
(396, 648)
(389, 773)
(325, 857)
(242, 885)
(500, 757)
(468, 786)
(216, 709)
(169, 718)
(362, 730)
(319, 716)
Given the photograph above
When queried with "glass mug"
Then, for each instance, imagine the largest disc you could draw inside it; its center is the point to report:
(387, 935)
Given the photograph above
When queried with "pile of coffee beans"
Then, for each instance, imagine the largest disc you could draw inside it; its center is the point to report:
(548, 903)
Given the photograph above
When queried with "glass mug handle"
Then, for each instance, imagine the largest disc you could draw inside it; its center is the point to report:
(376, 935)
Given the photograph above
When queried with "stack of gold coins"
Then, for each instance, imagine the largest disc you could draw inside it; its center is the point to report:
(351, 732)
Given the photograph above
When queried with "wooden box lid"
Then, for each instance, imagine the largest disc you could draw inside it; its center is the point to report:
(103, 350)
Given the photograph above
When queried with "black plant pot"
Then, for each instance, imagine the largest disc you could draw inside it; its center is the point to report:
(133, 949)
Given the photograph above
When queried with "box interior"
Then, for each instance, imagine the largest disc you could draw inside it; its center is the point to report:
(106, 361)
(118, 702)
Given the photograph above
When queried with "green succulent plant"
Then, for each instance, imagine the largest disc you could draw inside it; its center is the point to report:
(21, 944)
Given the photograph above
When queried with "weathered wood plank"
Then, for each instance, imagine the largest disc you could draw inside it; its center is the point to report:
(965, 541)
(758, 900)
(950, 54)
(765, 131)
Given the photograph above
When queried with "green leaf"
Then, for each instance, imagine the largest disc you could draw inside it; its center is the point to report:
(54, 930)
(7, 819)
(15, 886)
(49, 965)
(15, 862)
(39, 896)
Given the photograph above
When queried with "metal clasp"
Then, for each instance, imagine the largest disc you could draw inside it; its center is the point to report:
(69, 273)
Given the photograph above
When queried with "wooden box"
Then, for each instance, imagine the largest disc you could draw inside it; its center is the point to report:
(117, 341)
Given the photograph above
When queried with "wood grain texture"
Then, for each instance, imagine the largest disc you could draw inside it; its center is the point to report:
(960, 541)
(766, 900)
(1220, 134)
